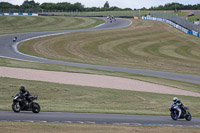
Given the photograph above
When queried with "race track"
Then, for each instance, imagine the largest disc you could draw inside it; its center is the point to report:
(8, 49)
(92, 118)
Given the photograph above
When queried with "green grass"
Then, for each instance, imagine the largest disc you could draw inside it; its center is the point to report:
(138, 46)
(144, 45)
(24, 127)
(194, 18)
(122, 13)
(21, 24)
(50, 67)
(71, 98)
(181, 14)
(114, 13)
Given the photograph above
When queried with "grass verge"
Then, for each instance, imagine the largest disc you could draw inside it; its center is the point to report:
(22, 24)
(114, 13)
(71, 98)
(22, 127)
(50, 67)
(143, 45)
(100, 100)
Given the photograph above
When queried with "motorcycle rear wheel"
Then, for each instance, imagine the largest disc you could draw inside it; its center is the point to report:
(16, 107)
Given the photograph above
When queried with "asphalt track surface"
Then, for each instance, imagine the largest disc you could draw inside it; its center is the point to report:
(92, 118)
(8, 49)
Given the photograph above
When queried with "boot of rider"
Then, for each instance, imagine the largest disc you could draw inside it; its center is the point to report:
(179, 113)
(185, 111)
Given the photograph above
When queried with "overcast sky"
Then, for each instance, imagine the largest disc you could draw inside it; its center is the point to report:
(119, 3)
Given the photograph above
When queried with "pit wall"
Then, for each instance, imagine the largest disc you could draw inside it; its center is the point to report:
(191, 32)
(19, 14)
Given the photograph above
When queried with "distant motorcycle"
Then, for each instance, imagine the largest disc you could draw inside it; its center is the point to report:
(14, 39)
(184, 113)
(113, 18)
(21, 104)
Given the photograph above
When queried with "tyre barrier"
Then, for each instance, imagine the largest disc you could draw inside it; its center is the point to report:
(19, 14)
(191, 32)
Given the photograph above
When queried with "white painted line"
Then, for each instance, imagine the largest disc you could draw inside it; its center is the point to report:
(89, 122)
(21, 59)
(17, 51)
(68, 122)
(16, 44)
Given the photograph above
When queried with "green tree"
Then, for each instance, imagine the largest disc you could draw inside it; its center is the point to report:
(48, 6)
(29, 4)
(6, 5)
(106, 5)
(77, 7)
(64, 6)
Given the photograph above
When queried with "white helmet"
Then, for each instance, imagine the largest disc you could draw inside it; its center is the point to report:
(175, 99)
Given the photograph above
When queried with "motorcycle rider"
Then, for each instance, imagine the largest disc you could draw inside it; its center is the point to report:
(178, 103)
(113, 18)
(14, 39)
(25, 93)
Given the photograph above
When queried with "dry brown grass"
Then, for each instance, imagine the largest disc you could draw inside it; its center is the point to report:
(145, 44)
(21, 24)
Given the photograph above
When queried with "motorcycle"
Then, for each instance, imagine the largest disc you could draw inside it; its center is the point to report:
(21, 104)
(14, 39)
(174, 113)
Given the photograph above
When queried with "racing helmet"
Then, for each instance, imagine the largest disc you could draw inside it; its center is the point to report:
(22, 88)
(175, 99)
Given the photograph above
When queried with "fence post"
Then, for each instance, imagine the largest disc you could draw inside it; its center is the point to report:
(139, 14)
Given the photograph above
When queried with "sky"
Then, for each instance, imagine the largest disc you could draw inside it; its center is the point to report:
(119, 3)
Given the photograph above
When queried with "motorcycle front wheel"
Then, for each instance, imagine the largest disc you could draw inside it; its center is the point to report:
(174, 116)
(36, 108)
(16, 107)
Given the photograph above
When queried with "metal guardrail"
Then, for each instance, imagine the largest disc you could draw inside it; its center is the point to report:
(176, 19)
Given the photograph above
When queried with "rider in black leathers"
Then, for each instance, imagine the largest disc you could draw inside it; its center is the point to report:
(25, 93)
(14, 39)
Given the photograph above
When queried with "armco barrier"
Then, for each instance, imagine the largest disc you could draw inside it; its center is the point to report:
(25, 14)
(191, 32)
(196, 33)
(176, 19)
(6, 14)
(19, 14)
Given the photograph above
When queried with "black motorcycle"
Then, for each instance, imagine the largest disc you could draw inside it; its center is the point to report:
(21, 104)
(184, 113)
(14, 39)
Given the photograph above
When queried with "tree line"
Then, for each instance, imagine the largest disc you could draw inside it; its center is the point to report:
(176, 6)
(61, 6)
(65, 6)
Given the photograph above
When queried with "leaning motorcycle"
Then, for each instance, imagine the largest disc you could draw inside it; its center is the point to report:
(21, 104)
(184, 113)
(14, 39)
